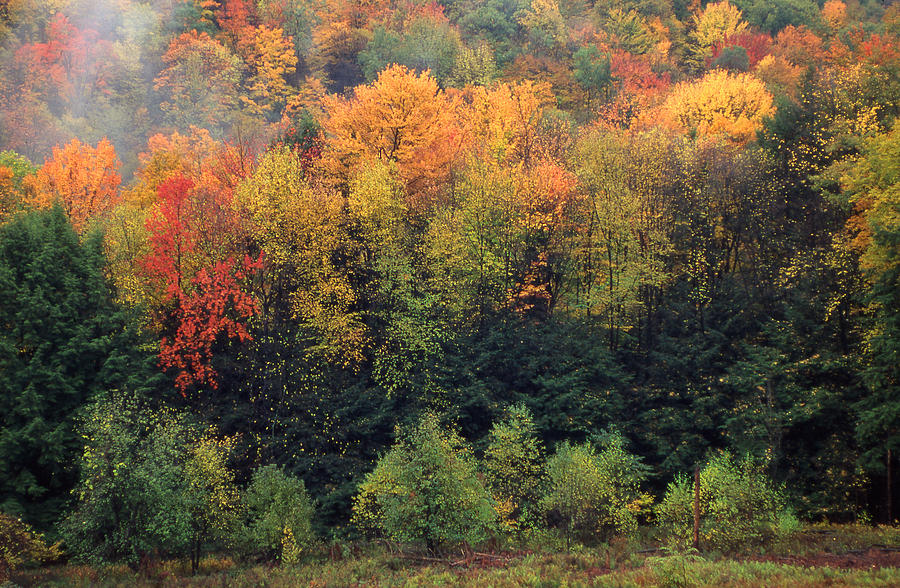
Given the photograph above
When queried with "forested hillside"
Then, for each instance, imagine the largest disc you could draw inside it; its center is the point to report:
(265, 241)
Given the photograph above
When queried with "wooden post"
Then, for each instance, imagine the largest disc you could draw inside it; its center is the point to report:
(697, 508)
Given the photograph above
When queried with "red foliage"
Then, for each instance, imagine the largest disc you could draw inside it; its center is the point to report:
(171, 241)
(205, 316)
(757, 46)
(636, 76)
(70, 63)
(208, 306)
(235, 17)
(876, 49)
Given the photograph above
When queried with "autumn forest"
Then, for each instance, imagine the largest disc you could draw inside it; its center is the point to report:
(443, 273)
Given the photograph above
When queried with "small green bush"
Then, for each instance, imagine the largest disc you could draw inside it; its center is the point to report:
(133, 497)
(738, 506)
(592, 496)
(213, 499)
(278, 516)
(514, 468)
(151, 484)
(425, 490)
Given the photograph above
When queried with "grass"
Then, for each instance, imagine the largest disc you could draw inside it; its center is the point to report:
(812, 553)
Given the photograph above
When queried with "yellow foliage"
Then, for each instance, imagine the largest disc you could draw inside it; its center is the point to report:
(718, 21)
(20, 545)
(779, 75)
(271, 58)
(300, 228)
(309, 97)
(834, 13)
(9, 196)
(545, 22)
(503, 121)
(720, 105)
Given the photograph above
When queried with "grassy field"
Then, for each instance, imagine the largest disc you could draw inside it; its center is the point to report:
(817, 556)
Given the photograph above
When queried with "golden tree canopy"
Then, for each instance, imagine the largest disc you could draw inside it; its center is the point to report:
(721, 104)
(402, 117)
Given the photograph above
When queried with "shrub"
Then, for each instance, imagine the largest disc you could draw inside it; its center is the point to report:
(149, 484)
(278, 516)
(514, 467)
(738, 504)
(425, 490)
(132, 496)
(19, 546)
(213, 500)
(594, 495)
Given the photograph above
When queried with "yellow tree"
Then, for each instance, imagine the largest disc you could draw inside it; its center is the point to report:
(720, 105)
(271, 58)
(622, 242)
(82, 178)
(402, 117)
(717, 22)
(300, 229)
(503, 121)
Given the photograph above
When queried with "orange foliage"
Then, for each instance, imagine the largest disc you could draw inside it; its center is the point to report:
(542, 68)
(546, 194)
(636, 78)
(82, 178)
(70, 65)
(834, 13)
(270, 57)
(504, 121)
(402, 117)
(234, 18)
(876, 49)
(779, 75)
(799, 45)
(213, 166)
(8, 192)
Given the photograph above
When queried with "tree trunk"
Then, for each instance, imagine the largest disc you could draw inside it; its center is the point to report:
(697, 508)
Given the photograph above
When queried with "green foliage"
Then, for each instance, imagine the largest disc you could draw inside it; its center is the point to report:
(278, 516)
(425, 490)
(473, 67)
(514, 467)
(63, 340)
(592, 496)
(213, 499)
(13, 168)
(733, 58)
(592, 70)
(133, 498)
(773, 15)
(630, 31)
(494, 21)
(874, 182)
(739, 506)
(424, 45)
(19, 546)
